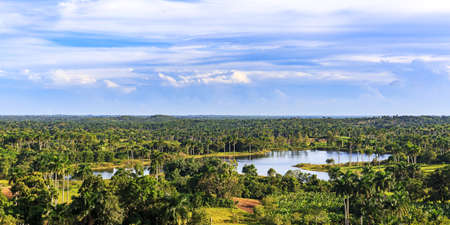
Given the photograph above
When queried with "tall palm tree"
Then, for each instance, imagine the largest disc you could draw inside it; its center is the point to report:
(176, 210)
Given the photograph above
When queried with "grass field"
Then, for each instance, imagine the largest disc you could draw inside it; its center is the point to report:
(426, 168)
(228, 154)
(118, 164)
(74, 186)
(4, 183)
(228, 216)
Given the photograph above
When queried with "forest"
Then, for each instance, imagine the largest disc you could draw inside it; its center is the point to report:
(47, 166)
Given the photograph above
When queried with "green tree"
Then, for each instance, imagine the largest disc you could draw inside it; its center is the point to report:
(218, 178)
(33, 198)
(439, 182)
(250, 170)
(176, 210)
(6, 213)
(95, 203)
(271, 172)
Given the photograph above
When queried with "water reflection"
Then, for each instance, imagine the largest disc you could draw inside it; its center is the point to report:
(282, 161)
(108, 173)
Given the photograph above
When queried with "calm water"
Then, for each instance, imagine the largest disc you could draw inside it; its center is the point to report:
(282, 161)
(107, 174)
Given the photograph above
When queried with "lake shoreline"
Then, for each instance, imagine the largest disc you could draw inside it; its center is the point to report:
(357, 167)
(108, 166)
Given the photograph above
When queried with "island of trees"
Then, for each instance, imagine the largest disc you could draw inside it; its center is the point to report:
(47, 164)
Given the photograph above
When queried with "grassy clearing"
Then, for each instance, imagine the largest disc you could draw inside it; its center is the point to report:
(229, 216)
(4, 183)
(228, 154)
(429, 168)
(74, 186)
(103, 166)
(426, 168)
(313, 167)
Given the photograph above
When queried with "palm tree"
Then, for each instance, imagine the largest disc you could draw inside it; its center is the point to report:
(176, 210)
(344, 184)
(157, 159)
(95, 202)
(83, 171)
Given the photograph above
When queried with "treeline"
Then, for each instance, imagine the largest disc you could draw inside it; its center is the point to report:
(106, 139)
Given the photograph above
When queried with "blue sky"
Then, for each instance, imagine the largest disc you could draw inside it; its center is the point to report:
(239, 57)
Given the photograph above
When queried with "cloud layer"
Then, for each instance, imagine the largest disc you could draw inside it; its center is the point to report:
(226, 57)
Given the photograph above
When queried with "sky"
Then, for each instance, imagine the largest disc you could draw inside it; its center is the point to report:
(229, 57)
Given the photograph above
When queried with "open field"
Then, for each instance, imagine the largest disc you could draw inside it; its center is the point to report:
(118, 164)
(4, 183)
(227, 216)
(426, 168)
(73, 191)
(229, 154)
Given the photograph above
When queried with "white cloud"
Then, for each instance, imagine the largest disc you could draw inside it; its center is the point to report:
(111, 84)
(63, 77)
(239, 77)
(448, 72)
(128, 90)
(377, 58)
(169, 79)
(31, 75)
(160, 17)
(215, 77)
(372, 77)
(209, 62)
(164, 19)
(325, 75)
(34, 52)
(274, 74)
(246, 77)
(114, 85)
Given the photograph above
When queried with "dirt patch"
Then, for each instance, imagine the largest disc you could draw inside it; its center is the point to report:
(6, 192)
(247, 204)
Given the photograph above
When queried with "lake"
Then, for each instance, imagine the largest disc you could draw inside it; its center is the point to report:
(282, 161)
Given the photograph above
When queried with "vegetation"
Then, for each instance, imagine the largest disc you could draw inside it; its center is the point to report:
(358, 167)
(46, 164)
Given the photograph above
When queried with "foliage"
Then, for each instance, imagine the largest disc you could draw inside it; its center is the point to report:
(439, 181)
(96, 204)
(200, 217)
(40, 156)
(32, 198)
(301, 208)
